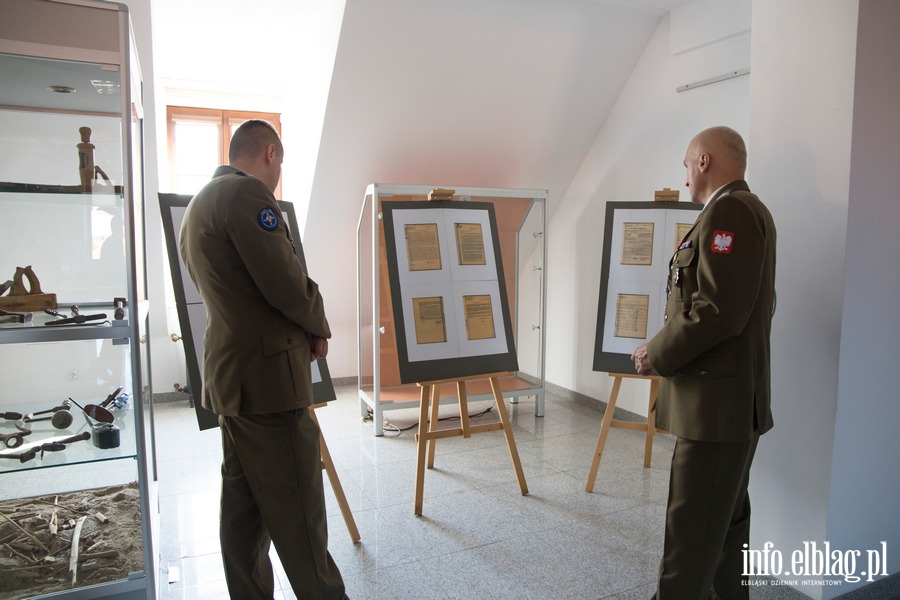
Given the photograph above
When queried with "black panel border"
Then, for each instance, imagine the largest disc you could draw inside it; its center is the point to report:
(323, 391)
(446, 368)
(613, 362)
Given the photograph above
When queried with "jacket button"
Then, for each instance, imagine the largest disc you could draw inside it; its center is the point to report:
(290, 341)
(704, 373)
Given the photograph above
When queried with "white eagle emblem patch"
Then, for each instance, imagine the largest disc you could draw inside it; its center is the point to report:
(722, 242)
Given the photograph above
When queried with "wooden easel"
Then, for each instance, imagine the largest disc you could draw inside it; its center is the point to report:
(429, 434)
(649, 426)
(328, 466)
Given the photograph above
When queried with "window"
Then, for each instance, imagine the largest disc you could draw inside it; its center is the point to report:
(198, 143)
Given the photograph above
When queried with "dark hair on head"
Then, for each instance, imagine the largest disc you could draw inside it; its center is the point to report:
(251, 139)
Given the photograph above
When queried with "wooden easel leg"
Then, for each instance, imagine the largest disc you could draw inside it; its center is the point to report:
(604, 431)
(510, 440)
(651, 422)
(328, 466)
(433, 424)
(463, 408)
(421, 444)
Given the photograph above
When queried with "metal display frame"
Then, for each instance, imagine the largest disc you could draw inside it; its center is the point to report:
(39, 30)
(527, 264)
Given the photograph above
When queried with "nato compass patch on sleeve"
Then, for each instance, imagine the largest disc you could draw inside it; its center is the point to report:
(268, 220)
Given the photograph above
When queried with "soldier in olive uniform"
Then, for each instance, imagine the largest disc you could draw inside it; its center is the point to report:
(265, 324)
(713, 354)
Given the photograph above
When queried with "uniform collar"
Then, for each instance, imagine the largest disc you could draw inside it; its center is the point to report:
(736, 185)
(227, 170)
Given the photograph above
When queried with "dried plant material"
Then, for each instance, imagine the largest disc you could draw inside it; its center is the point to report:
(73, 551)
(114, 550)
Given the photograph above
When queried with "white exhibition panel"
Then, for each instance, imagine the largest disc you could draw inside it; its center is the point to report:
(648, 280)
(451, 283)
(438, 350)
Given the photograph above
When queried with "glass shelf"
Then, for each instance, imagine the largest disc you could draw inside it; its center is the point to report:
(75, 453)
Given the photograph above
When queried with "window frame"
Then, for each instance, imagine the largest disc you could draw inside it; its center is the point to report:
(224, 118)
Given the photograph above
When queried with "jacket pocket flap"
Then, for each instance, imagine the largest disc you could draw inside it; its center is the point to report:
(274, 342)
(684, 257)
(711, 365)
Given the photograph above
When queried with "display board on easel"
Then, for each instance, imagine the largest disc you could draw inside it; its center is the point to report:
(192, 314)
(449, 300)
(638, 241)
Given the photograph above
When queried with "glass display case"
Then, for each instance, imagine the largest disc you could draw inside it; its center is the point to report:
(521, 217)
(78, 497)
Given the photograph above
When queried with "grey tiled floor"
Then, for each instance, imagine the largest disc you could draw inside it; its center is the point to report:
(478, 536)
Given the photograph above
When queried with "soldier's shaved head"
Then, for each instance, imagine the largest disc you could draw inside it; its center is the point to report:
(725, 146)
(715, 156)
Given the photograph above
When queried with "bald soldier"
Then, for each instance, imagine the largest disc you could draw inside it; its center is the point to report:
(713, 355)
(265, 324)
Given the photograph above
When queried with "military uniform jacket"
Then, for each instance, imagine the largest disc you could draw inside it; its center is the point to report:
(713, 351)
(261, 307)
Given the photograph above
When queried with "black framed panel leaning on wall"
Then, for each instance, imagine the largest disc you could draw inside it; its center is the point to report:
(639, 239)
(448, 293)
(192, 314)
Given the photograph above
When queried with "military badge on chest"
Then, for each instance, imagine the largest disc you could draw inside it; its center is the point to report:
(723, 241)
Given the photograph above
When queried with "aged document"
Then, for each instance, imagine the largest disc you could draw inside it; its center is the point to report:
(428, 314)
(479, 317)
(423, 247)
(681, 230)
(631, 316)
(470, 244)
(637, 243)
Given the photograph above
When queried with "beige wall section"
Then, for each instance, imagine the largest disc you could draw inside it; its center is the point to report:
(803, 55)
(862, 513)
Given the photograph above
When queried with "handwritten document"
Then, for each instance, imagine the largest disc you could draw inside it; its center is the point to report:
(631, 316)
(479, 317)
(428, 315)
(423, 247)
(637, 243)
(470, 244)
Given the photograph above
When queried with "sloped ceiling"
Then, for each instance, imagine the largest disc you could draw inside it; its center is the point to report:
(481, 93)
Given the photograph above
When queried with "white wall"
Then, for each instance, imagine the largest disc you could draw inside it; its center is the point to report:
(864, 485)
(801, 99)
(640, 149)
(276, 56)
(476, 93)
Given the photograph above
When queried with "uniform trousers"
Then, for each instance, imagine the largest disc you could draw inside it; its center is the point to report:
(272, 492)
(707, 521)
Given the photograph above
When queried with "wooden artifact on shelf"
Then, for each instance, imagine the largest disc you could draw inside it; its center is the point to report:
(88, 172)
(21, 299)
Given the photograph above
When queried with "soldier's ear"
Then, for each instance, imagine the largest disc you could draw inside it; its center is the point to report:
(703, 161)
